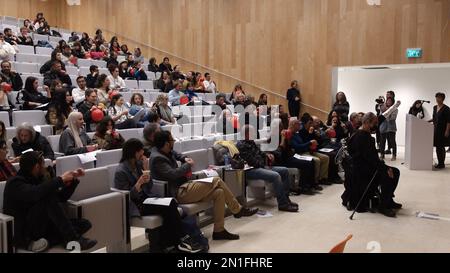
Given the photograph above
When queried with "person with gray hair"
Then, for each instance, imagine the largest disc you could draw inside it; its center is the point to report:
(74, 139)
(28, 139)
(369, 172)
(149, 137)
(353, 124)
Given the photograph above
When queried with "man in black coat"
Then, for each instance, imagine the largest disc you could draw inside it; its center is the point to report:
(56, 73)
(367, 165)
(34, 202)
(11, 77)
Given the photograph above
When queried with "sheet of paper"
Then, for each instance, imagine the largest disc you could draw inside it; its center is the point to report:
(205, 180)
(325, 150)
(211, 173)
(264, 214)
(302, 157)
(27, 151)
(88, 157)
(158, 201)
(37, 128)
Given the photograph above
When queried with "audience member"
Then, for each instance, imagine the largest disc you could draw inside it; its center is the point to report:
(74, 139)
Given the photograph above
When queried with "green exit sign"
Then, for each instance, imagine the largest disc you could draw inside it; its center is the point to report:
(414, 53)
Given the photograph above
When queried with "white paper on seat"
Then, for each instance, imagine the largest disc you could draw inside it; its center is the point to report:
(88, 157)
(158, 201)
(325, 150)
(37, 128)
(205, 180)
(42, 106)
(302, 157)
(211, 173)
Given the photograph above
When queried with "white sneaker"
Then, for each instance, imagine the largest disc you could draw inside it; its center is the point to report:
(40, 245)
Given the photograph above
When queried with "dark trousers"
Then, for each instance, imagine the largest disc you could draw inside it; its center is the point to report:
(388, 186)
(392, 144)
(47, 219)
(440, 152)
(306, 169)
(171, 230)
(333, 170)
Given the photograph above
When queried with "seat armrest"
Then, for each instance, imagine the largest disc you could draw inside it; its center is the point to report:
(6, 234)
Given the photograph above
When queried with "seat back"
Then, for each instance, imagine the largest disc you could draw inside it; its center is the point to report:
(26, 49)
(69, 163)
(146, 85)
(105, 158)
(34, 117)
(200, 158)
(94, 183)
(132, 84)
(2, 190)
(4, 116)
(191, 145)
(25, 67)
(131, 133)
(54, 142)
(43, 50)
(111, 172)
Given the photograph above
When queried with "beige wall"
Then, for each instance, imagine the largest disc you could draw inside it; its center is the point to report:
(28, 9)
(270, 42)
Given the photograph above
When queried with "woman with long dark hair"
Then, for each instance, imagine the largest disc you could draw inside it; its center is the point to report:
(119, 113)
(103, 89)
(59, 109)
(133, 175)
(417, 109)
(106, 136)
(31, 96)
(341, 106)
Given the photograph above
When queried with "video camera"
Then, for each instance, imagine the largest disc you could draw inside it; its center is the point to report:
(380, 100)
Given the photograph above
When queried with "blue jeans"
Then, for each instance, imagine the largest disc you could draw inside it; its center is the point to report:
(278, 177)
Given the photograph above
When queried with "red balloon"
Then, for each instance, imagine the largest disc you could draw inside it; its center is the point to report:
(6, 87)
(184, 100)
(331, 134)
(97, 115)
(236, 124)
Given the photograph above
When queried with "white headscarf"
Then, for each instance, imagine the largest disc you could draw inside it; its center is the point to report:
(72, 125)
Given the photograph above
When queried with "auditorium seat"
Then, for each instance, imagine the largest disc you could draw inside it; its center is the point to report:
(34, 117)
(26, 49)
(146, 85)
(72, 162)
(105, 158)
(44, 51)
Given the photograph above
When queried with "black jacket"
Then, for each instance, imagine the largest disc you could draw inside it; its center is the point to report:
(33, 97)
(91, 81)
(51, 76)
(39, 143)
(163, 67)
(14, 79)
(251, 153)
(164, 167)
(48, 66)
(22, 192)
(28, 41)
(153, 68)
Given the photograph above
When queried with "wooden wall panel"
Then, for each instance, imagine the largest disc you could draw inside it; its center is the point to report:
(270, 42)
(28, 9)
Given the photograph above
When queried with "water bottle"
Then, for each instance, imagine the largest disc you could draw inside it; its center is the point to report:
(227, 162)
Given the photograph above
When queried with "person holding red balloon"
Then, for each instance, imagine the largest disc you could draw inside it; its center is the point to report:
(74, 139)
(92, 113)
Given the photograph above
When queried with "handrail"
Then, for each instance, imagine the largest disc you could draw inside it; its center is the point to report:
(206, 68)
(194, 63)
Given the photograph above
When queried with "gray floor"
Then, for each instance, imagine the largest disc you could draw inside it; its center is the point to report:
(323, 222)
